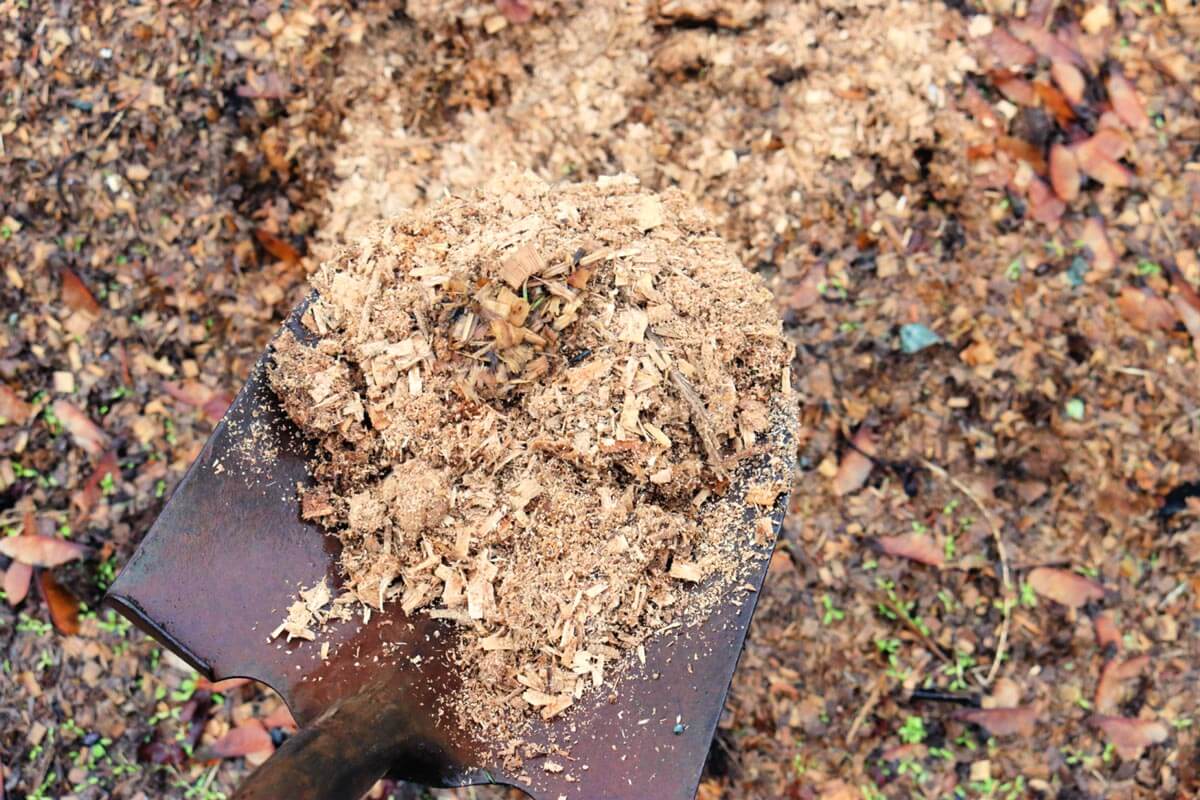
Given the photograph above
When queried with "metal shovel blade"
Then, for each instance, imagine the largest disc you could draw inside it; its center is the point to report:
(229, 553)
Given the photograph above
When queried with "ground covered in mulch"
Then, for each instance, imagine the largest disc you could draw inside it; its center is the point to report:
(980, 222)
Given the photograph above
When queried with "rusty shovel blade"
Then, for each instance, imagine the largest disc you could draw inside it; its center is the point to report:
(229, 553)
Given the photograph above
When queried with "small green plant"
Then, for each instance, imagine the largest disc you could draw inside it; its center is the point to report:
(1014, 269)
(106, 572)
(913, 731)
(832, 613)
(958, 670)
(1028, 596)
(27, 624)
(107, 484)
(1146, 267)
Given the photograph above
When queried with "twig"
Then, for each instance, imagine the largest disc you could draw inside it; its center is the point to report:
(861, 716)
(1006, 578)
(907, 619)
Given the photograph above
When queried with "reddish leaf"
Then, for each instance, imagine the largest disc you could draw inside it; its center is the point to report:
(1145, 310)
(249, 737)
(855, 466)
(216, 406)
(63, 606)
(1109, 689)
(1055, 102)
(1018, 90)
(914, 546)
(75, 294)
(518, 11)
(41, 551)
(1110, 173)
(1045, 43)
(1063, 586)
(1023, 151)
(194, 393)
(1002, 721)
(281, 717)
(227, 685)
(86, 498)
(1070, 80)
(1044, 206)
(12, 408)
(16, 582)
(84, 432)
(277, 247)
(980, 109)
(1131, 736)
(269, 86)
(1096, 240)
(1126, 103)
(1009, 51)
(1064, 173)
(1190, 316)
(1106, 631)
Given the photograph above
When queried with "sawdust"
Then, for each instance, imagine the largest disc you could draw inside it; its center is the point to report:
(522, 399)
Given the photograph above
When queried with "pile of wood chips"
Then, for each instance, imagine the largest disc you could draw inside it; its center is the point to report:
(523, 399)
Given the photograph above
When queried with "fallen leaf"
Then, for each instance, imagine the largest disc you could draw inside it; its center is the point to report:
(1018, 90)
(855, 466)
(1096, 18)
(1190, 317)
(1106, 631)
(1126, 102)
(1131, 736)
(277, 247)
(1005, 694)
(269, 86)
(914, 546)
(41, 551)
(86, 498)
(217, 687)
(281, 717)
(1070, 80)
(1095, 239)
(1111, 173)
(1044, 205)
(1045, 43)
(1010, 51)
(1064, 173)
(63, 606)
(1063, 586)
(75, 294)
(518, 11)
(1105, 144)
(13, 409)
(249, 737)
(16, 582)
(1023, 151)
(84, 432)
(1145, 310)
(1109, 689)
(915, 337)
(1002, 721)
(1055, 102)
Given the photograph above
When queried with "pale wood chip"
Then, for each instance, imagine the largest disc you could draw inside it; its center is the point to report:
(520, 265)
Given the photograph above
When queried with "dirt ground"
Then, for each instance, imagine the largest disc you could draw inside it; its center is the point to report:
(981, 223)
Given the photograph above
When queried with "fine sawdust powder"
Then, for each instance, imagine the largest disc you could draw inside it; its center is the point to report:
(522, 400)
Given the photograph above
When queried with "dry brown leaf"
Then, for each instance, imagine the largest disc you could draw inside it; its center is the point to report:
(281, 717)
(86, 498)
(1064, 173)
(1106, 631)
(1018, 721)
(84, 432)
(1055, 102)
(1131, 736)
(914, 546)
(1010, 51)
(1190, 317)
(1106, 144)
(1045, 43)
(76, 295)
(41, 551)
(16, 582)
(1044, 206)
(249, 737)
(1111, 173)
(855, 465)
(1126, 102)
(1145, 310)
(1063, 586)
(1109, 689)
(279, 248)
(1018, 90)
(13, 409)
(63, 606)
(1095, 239)
(1070, 80)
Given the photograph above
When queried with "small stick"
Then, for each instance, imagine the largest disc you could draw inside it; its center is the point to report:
(700, 418)
(1006, 578)
(861, 716)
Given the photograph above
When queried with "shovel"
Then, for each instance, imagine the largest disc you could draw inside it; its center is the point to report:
(229, 553)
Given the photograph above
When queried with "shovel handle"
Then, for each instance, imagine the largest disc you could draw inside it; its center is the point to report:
(328, 760)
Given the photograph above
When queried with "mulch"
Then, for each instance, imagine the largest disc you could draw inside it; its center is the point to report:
(981, 225)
